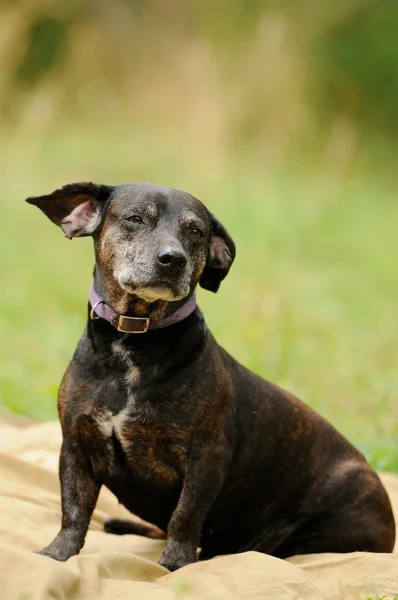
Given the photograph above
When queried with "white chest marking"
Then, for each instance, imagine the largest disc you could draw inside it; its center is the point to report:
(114, 424)
(132, 376)
(121, 353)
(118, 421)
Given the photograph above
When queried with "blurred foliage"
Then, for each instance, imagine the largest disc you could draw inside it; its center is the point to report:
(359, 66)
(45, 49)
(270, 79)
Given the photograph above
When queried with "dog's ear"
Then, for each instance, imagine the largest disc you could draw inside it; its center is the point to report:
(76, 207)
(220, 258)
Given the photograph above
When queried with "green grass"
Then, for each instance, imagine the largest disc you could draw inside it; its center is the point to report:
(310, 303)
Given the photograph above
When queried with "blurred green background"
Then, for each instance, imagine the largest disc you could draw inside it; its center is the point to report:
(281, 116)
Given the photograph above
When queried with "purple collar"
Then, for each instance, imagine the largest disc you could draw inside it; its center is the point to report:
(125, 324)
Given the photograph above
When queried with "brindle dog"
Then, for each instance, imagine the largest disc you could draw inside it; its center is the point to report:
(185, 437)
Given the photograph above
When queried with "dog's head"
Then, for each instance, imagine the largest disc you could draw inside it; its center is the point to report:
(156, 243)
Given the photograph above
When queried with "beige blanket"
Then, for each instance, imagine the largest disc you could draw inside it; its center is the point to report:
(119, 568)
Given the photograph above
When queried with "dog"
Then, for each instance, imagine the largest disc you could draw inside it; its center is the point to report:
(214, 458)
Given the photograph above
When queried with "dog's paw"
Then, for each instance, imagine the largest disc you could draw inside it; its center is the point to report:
(174, 564)
(61, 553)
(51, 554)
(177, 555)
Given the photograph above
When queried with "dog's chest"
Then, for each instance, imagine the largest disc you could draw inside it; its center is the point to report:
(143, 449)
(137, 437)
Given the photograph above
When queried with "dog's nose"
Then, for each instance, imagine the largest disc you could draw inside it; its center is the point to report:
(170, 257)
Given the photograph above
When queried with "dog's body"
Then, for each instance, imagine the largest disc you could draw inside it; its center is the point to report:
(186, 437)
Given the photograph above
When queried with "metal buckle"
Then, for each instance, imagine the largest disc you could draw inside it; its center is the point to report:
(93, 316)
(121, 320)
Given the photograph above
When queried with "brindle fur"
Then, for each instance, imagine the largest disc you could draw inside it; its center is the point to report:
(185, 437)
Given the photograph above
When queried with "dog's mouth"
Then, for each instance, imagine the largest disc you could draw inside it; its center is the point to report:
(159, 290)
(156, 291)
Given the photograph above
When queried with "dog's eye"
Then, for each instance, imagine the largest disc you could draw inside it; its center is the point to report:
(196, 233)
(135, 219)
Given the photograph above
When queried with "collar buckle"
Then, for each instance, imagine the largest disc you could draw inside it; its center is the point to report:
(128, 324)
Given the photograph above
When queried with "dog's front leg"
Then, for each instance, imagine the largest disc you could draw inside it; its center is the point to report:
(79, 492)
(203, 481)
